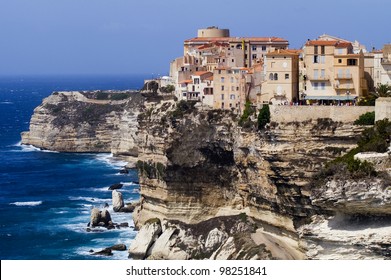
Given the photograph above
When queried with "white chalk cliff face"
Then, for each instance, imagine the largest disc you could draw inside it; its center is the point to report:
(70, 122)
(213, 190)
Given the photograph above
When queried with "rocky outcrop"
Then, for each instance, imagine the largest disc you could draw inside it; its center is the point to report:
(118, 201)
(144, 239)
(71, 122)
(100, 218)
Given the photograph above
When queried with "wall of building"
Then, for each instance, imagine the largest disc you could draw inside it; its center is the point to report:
(383, 108)
(344, 114)
(213, 32)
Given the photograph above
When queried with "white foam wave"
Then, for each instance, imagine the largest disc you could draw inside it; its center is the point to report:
(29, 148)
(109, 159)
(90, 199)
(6, 102)
(129, 184)
(26, 203)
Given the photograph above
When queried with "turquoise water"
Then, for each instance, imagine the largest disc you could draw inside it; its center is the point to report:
(46, 197)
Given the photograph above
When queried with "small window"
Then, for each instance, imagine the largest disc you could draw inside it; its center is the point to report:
(286, 76)
(184, 94)
(264, 48)
(232, 97)
(233, 60)
(275, 76)
(232, 79)
(315, 49)
(322, 50)
(245, 56)
(323, 86)
(271, 76)
(352, 62)
(254, 48)
(316, 58)
(339, 60)
(230, 105)
(222, 88)
(254, 56)
(222, 79)
(222, 97)
(222, 105)
(316, 86)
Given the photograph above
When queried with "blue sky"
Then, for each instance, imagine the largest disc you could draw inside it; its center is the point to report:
(133, 37)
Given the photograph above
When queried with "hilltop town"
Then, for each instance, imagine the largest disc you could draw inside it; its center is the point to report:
(224, 72)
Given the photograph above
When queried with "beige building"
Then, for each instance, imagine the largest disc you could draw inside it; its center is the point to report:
(282, 78)
(333, 72)
(198, 88)
(230, 88)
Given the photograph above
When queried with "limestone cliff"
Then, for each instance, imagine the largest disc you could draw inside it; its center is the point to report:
(72, 122)
(196, 165)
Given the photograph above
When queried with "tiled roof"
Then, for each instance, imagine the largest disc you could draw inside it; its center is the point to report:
(200, 73)
(186, 82)
(284, 52)
(337, 44)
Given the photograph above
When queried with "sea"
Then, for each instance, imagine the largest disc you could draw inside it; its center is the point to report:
(45, 196)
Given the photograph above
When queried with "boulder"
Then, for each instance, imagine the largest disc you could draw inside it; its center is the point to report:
(95, 217)
(105, 217)
(118, 201)
(104, 252)
(215, 238)
(147, 235)
(118, 247)
(129, 208)
(116, 186)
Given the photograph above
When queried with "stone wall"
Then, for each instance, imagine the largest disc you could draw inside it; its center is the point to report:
(383, 108)
(345, 114)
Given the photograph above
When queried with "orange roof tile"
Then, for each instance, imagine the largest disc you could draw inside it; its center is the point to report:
(283, 52)
(186, 82)
(334, 43)
(200, 73)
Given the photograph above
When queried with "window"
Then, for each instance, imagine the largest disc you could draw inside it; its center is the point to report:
(339, 60)
(286, 76)
(233, 60)
(232, 88)
(340, 51)
(222, 105)
(322, 49)
(322, 73)
(271, 77)
(316, 58)
(222, 88)
(275, 76)
(237, 88)
(264, 48)
(323, 86)
(316, 73)
(222, 79)
(222, 97)
(352, 62)
(232, 97)
(254, 48)
(245, 56)
(322, 59)
(219, 71)
(230, 105)
(232, 79)
(315, 49)
(254, 56)
(316, 86)
(196, 81)
(184, 94)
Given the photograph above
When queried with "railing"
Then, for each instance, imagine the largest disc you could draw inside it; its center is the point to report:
(343, 76)
(318, 78)
(344, 86)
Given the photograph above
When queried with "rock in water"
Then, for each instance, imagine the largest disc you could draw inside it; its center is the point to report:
(118, 201)
(104, 252)
(95, 217)
(116, 186)
(105, 217)
(118, 247)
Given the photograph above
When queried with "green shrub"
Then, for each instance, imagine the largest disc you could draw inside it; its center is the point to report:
(263, 117)
(247, 112)
(366, 119)
(101, 95)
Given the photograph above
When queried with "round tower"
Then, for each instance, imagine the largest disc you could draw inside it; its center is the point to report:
(213, 31)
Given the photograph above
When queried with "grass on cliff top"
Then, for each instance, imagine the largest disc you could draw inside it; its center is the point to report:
(375, 139)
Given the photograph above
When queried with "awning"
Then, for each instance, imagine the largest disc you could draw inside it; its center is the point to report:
(332, 97)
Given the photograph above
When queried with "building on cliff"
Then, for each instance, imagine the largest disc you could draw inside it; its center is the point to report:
(333, 72)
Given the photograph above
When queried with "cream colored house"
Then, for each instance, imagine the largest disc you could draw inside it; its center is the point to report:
(229, 88)
(198, 88)
(333, 72)
(282, 78)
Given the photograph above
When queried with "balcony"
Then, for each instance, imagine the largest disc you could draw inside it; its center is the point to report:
(343, 77)
(318, 78)
(344, 86)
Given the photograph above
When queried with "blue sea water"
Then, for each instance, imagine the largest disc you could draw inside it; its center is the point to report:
(46, 197)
